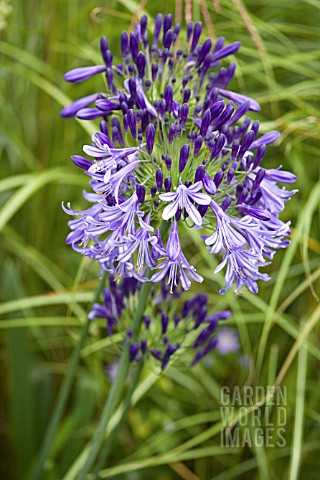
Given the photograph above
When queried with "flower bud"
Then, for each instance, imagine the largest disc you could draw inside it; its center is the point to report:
(134, 45)
(141, 64)
(150, 136)
(124, 44)
(157, 28)
(196, 35)
(159, 179)
(132, 122)
(184, 110)
(206, 47)
(184, 155)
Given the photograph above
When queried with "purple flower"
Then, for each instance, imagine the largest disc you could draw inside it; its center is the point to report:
(175, 264)
(228, 340)
(273, 198)
(175, 144)
(80, 74)
(184, 155)
(142, 242)
(225, 236)
(182, 198)
(116, 309)
(240, 99)
(278, 175)
(242, 269)
(150, 136)
(71, 110)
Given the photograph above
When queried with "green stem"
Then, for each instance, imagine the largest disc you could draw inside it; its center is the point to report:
(144, 294)
(115, 431)
(65, 390)
(114, 396)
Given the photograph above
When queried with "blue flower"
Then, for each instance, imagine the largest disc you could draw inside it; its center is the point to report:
(175, 266)
(182, 198)
(175, 146)
(163, 333)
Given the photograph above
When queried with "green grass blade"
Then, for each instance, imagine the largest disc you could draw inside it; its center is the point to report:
(299, 413)
(20, 359)
(64, 393)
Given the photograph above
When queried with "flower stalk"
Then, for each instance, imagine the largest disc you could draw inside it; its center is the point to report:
(175, 146)
(115, 393)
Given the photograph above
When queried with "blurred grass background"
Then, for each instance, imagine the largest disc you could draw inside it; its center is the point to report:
(173, 430)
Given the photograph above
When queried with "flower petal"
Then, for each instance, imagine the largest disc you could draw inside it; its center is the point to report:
(171, 210)
(200, 198)
(193, 212)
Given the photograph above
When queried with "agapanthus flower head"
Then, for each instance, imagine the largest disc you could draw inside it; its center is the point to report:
(169, 326)
(175, 150)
